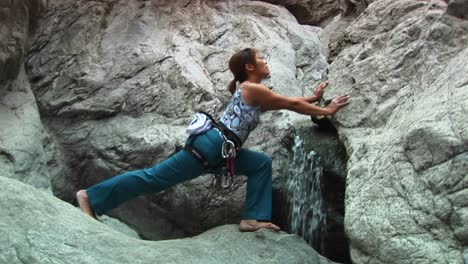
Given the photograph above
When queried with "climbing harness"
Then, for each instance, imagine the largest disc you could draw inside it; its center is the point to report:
(231, 143)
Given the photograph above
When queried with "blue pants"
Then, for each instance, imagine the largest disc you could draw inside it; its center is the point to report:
(183, 166)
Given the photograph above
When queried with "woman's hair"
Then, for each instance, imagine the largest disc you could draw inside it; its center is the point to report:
(237, 66)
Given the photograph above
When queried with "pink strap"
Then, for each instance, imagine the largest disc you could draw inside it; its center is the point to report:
(230, 168)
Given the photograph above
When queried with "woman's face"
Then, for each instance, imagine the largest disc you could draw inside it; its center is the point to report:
(261, 66)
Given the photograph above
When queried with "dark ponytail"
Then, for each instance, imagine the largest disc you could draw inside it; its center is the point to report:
(237, 66)
(232, 86)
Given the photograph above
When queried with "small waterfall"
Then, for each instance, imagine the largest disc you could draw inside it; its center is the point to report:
(307, 207)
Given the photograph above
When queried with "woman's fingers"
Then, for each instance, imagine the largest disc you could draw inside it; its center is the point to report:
(343, 96)
(338, 102)
(323, 85)
(341, 100)
(320, 88)
(342, 104)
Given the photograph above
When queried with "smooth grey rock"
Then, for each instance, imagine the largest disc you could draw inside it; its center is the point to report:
(36, 227)
(406, 133)
(21, 131)
(118, 226)
(117, 81)
(21, 134)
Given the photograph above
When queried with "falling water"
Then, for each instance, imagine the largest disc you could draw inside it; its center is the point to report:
(307, 208)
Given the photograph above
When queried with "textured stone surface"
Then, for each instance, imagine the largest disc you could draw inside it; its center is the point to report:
(21, 132)
(406, 133)
(36, 227)
(117, 81)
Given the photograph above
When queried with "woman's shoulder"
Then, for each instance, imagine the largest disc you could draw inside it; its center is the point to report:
(251, 85)
(253, 92)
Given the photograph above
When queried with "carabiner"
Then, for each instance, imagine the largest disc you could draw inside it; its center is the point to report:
(228, 149)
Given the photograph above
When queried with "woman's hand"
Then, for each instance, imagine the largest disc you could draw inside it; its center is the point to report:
(318, 93)
(337, 103)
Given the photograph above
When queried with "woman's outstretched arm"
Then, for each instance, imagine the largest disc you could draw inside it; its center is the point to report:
(259, 94)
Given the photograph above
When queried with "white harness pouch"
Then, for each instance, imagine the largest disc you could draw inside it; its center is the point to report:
(199, 124)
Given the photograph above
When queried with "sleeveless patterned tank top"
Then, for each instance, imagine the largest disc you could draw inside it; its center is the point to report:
(240, 117)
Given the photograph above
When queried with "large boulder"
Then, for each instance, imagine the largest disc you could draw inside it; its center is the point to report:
(22, 155)
(117, 81)
(404, 65)
(36, 227)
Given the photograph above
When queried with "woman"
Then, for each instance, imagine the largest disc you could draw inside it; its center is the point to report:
(241, 116)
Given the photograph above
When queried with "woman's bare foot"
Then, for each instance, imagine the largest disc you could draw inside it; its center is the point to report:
(253, 225)
(83, 202)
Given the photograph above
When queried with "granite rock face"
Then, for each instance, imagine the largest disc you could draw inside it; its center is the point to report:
(117, 81)
(404, 64)
(21, 131)
(33, 224)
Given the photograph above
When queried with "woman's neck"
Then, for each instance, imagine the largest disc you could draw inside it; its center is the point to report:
(254, 79)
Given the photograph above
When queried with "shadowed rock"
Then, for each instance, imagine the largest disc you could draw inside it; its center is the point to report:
(458, 8)
(311, 12)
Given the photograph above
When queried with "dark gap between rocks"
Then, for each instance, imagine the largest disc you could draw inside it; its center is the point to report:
(329, 238)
